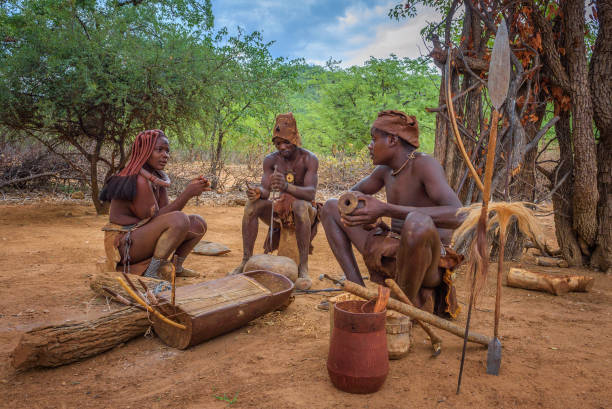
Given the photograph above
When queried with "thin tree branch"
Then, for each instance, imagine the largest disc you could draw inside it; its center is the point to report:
(456, 97)
(534, 142)
(546, 147)
(25, 179)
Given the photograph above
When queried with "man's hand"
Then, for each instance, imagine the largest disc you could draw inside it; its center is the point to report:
(278, 182)
(366, 215)
(197, 186)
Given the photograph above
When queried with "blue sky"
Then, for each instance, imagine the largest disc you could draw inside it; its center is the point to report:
(316, 30)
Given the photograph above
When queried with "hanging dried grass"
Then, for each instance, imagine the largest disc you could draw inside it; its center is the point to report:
(499, 216)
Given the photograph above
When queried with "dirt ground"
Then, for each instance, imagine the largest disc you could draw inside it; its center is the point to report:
(557, 351)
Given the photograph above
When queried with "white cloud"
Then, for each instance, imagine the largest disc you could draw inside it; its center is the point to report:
(361, 14)
(402, 39)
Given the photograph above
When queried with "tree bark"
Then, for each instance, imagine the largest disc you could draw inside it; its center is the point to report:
(94, 158)
(215, 163)
(442, 138)
(56, 345)
(601, 90)
(564, 231)
(585, 195)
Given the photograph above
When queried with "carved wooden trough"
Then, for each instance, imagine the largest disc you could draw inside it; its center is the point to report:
(215, 307)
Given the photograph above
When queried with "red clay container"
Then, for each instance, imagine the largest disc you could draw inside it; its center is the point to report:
(358, 358)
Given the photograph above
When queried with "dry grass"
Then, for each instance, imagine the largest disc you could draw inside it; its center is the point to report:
(498, 218)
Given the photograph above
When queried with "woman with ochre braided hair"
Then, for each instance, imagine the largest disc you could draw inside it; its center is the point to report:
(147, 229)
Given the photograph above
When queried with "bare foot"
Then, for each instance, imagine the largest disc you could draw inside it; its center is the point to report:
(185, 272)
(237, 270)
(303, 282)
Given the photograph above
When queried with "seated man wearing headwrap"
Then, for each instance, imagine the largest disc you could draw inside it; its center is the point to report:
(422, 208)
(292, 171)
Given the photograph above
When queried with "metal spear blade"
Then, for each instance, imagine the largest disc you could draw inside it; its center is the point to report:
(499, 68)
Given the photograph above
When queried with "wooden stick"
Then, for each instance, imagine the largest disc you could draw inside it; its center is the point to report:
(488, 176)
(412, 312)
(436, 342)
(131, 284)
(500, 268)
(383, 298)
(173, 285)
(453, 121)
(108, 280)
(148, 307)
(121, 299)
(150, 296)
(551, 262)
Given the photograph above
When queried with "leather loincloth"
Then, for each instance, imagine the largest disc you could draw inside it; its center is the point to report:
(283, 214)
(380, 259)
(115, 238)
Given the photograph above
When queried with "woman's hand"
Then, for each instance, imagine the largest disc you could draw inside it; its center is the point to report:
(368, 214)
(197, 186)
(253, 193)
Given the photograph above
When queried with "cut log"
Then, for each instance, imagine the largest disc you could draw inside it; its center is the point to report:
(520, 278)
(551, 262)
(55, 345)
(108, 280)
(580, 284)
(556, 285)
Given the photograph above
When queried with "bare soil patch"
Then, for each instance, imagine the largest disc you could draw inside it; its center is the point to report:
(557, 350)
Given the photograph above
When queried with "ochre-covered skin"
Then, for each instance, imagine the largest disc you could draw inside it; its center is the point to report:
(169, 231)
(292, 171)
(420, 203)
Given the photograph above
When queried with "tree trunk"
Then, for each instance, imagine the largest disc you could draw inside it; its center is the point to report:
(585, 194)
(94, 158)
(601, 90)
(57, 345)
(443, 136)
(215, 163)
(564, 231)
(101, 208)
(522, 187)
(445, 150)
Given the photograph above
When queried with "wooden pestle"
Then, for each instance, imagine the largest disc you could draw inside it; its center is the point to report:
(413, 312)
(383, 298)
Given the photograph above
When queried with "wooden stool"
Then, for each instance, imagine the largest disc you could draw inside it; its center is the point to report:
(112, 253)
(287, 245)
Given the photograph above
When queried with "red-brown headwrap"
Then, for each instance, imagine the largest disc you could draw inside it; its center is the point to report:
(398, 123)
(141, 150)
(286, 128)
